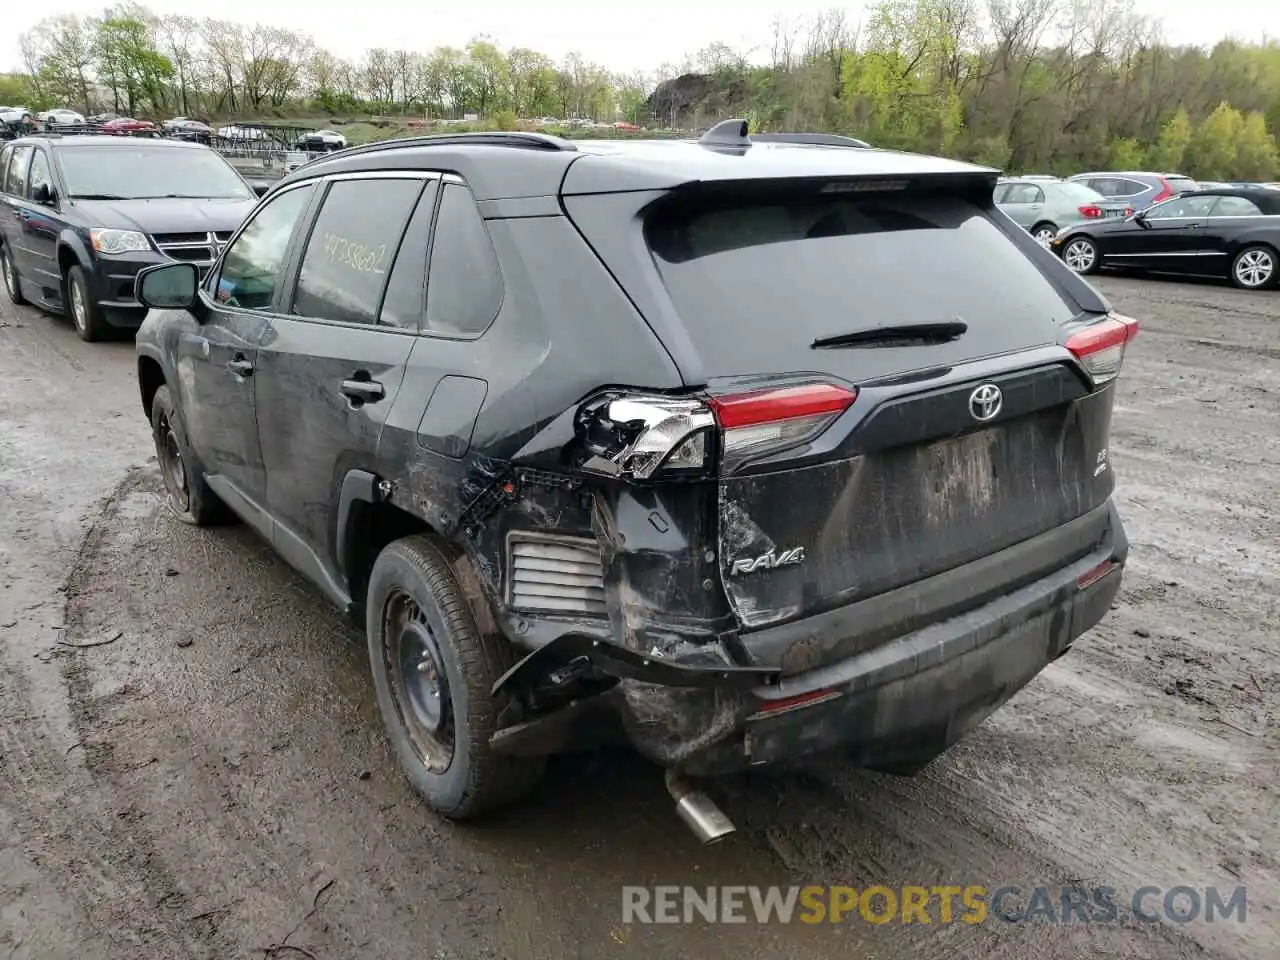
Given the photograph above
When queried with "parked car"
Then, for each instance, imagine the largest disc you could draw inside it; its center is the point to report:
(1043, 207)
(1138, 190)
(129, 127)
(100, 118)
(61, 118)
(240, 132)
(195, 131)
(16, 122)
(321, 141)
(588, 474)
(1231, 232)
(79, 216)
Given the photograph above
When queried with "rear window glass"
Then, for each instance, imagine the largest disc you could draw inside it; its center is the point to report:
(790, 270)
(1182, 184)
(1078, 191)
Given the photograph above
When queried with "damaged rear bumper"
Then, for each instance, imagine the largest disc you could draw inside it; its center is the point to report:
(893, 707)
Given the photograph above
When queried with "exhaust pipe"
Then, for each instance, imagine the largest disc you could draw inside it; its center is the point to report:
(707, 821)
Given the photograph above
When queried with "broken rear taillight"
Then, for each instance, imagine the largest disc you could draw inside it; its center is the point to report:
(1100, 346)
(642, 436)
(763, 422)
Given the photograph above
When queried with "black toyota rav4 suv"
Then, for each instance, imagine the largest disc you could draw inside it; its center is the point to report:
(81, 215)
(745, 449)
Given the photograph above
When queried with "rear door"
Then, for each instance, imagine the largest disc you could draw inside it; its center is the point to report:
(15, 207)
(964, 438)
(1024, 203)
(329, 370)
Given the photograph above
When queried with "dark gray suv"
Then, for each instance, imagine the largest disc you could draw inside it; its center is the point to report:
(659, 440)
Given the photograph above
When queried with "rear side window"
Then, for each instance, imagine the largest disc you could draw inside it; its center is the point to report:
(1236, 207)
(351, 247)
(464, 284)
(17, 182)
(5, 154)
(749, 279)
(1024, 193)
(402, 305)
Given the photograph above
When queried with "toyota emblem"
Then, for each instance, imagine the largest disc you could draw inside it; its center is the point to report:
(985, 402)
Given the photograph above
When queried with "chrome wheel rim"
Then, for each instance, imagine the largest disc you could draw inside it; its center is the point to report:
(172, 468)
(1043, 236)
(419, 684)
(78, 308)
(1254, 268)
(10, 276)
(1080, 255)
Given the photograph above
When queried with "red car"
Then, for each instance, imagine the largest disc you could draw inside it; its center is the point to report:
(128, 127)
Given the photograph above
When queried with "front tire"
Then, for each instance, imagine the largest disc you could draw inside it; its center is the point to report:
(186, 491)
(1254, 268)
(12, 285)
(433, 671)
(1042, 233)
(1081, 255)
(85, 314)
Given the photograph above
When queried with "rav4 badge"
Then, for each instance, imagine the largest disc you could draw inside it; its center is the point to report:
(767, 561)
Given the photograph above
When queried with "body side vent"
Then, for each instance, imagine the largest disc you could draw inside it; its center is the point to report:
(553, 574)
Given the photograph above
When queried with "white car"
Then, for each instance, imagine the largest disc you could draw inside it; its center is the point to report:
(235, 132)
(61, 118)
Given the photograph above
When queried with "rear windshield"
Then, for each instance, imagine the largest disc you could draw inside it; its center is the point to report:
(749, 278)
(1079, 192)
(1182, 184)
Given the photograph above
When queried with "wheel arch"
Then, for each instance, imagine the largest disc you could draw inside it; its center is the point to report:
(150, 379)
(71, 252)
(367, 521)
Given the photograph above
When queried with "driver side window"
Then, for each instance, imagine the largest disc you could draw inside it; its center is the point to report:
(252, 267)
(1182, 207)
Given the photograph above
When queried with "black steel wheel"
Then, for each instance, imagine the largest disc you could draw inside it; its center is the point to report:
(433, 672)
(186, 491)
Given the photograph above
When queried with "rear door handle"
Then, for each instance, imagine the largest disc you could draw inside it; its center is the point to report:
(240, 367)
(362, 391)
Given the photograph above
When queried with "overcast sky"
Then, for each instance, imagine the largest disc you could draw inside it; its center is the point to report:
(623, 36)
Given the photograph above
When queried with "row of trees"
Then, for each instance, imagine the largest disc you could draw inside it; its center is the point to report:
(131, 60)
(1046, 85)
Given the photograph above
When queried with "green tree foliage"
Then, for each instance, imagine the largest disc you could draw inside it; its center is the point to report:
(1256, 157)
(1213, 150)
(1124, 153)
(1169, 151)
(1045, 85)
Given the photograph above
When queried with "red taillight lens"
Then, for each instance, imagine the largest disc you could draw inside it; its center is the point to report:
(1128, 211)
(1100, 346)
(786, 403)
(757, 424)
(1091, 211)
(1165, 193)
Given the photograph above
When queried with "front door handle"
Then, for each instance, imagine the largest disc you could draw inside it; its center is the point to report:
(240, 367)
(362, 391)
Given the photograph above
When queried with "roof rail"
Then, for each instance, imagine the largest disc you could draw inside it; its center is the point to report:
(818, 139)
(527, 141)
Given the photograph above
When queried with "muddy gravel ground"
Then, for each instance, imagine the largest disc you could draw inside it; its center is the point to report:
(209, 778)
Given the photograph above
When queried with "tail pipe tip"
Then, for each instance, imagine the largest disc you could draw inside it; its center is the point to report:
(699, 812)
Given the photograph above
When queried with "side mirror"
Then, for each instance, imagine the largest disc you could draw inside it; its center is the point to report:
(45, 195)
(260, 187)
(168, 286)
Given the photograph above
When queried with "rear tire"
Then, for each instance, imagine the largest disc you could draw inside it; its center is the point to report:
(85, 314)
(12, 285)
(433, 671)
(1081, 255)
(186, 491)
(1042, 233)
(1254, 268)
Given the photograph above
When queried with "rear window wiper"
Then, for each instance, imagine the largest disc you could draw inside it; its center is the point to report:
(900, 335)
